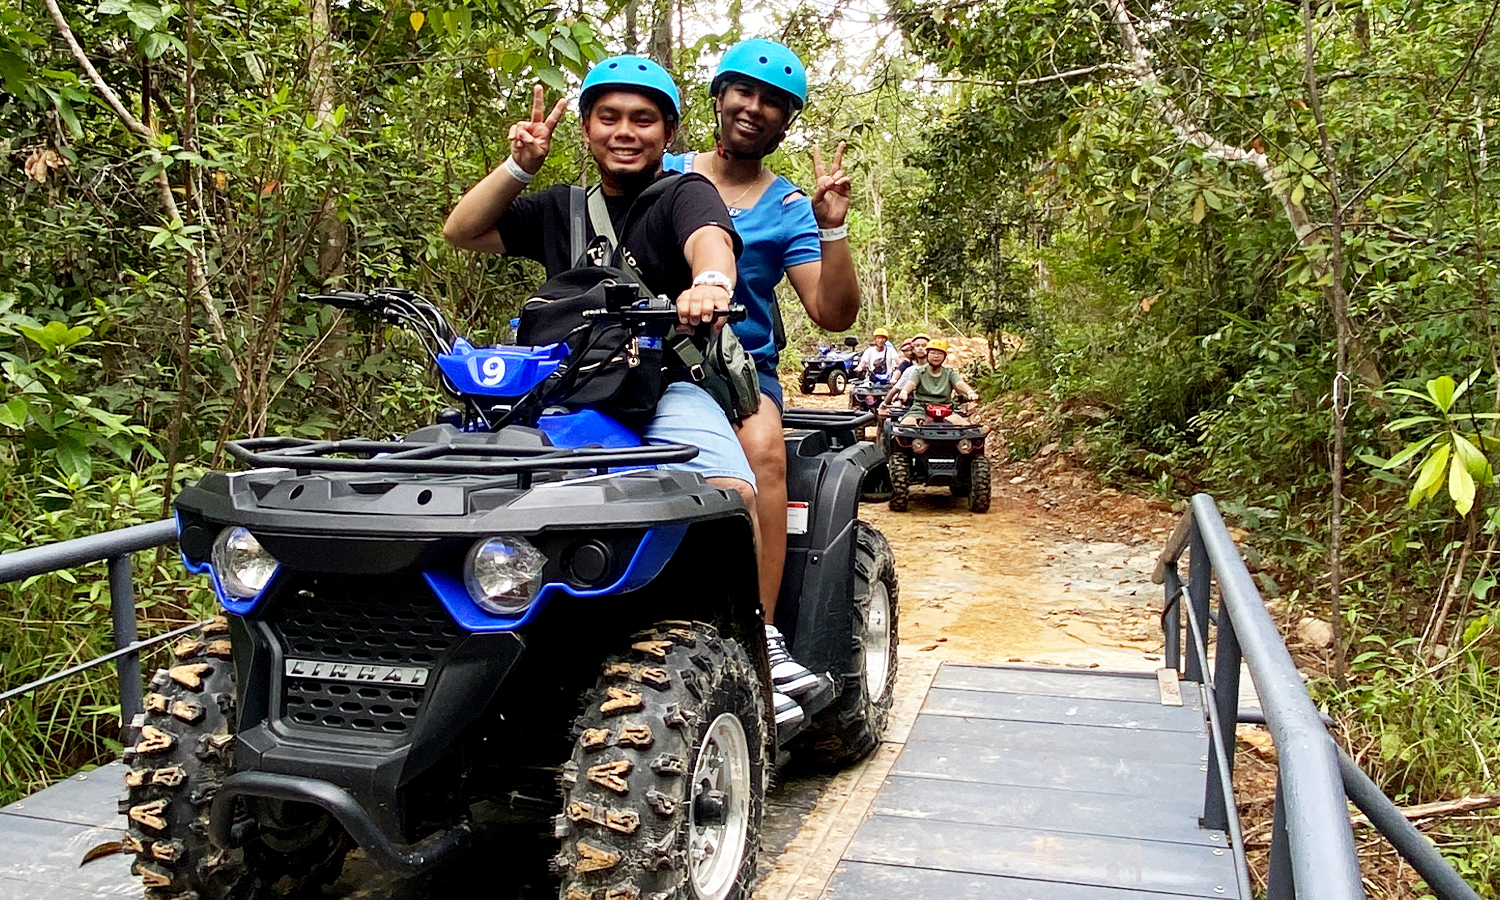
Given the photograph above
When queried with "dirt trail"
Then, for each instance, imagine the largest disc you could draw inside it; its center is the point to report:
(1058, 571)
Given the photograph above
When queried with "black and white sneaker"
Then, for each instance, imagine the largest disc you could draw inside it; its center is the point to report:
(787, 675)
(788, 712)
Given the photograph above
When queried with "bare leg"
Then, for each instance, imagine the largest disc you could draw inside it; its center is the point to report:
(761, 437)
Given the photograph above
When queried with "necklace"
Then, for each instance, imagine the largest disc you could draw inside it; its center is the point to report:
(733, 204)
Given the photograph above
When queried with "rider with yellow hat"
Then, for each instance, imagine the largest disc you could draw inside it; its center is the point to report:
(880, 358)
(934, 383)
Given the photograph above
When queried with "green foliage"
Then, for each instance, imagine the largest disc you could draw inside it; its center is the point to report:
(1456, 445)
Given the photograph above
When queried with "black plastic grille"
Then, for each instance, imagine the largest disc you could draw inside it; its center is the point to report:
(406, 628)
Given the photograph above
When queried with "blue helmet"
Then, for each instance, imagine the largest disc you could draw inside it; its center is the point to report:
(767, 62)
(631, 73)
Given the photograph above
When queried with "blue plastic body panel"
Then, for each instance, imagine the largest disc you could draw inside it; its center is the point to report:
(505, 371)
(651, 555)
(586, 427)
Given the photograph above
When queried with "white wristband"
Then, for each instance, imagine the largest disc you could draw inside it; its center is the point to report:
(837, 233)
(514, 169)
(717, 279)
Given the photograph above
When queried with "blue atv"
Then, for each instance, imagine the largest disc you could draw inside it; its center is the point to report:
(513, 609)
(830, 366)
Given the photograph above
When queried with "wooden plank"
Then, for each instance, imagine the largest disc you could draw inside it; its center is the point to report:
(1084, 740)
(1061, 710)
(1089, 685)
(1169, 688)
(869, 881)
(1171, 817)
(1099, 861)
(1057, 771)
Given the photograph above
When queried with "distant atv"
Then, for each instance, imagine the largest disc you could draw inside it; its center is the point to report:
(829, 366)
(867, 393)
(934, 451)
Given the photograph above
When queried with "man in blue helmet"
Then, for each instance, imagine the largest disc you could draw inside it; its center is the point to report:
(684, 245)
(758, 90)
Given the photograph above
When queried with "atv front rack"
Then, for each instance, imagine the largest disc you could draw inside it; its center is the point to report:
(445, 457)
(826, 419)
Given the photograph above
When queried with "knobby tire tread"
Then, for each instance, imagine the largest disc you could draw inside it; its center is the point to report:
(185, 750)
(626, 792)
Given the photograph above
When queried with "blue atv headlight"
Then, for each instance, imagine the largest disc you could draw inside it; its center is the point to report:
(242, 564)
(502, 574)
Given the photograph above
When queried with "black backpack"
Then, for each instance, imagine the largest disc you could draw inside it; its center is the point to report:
(606, 368)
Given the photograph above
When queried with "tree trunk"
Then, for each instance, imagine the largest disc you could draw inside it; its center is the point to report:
(333, 231)
(193, 257)
(1338, 300)
(1308, 234)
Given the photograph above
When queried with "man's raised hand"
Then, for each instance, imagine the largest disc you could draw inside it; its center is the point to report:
(830, 199)
(531, 140)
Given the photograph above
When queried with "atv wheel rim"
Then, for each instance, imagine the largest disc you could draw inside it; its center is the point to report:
(721, 779)
(877, 641)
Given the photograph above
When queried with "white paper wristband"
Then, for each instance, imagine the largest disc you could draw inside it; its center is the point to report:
(833, 234)
(516, 172)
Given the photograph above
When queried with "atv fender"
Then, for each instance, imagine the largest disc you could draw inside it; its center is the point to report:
(826, 469)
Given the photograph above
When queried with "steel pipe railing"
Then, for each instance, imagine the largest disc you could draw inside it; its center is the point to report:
(1320, 858)
(115, 549)
(1312, 840)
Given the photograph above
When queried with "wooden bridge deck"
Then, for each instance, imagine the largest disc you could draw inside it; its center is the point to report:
(1026, 783)
(1042, 784)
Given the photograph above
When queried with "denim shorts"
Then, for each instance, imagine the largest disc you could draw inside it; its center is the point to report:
(770, 386)
(686, 414)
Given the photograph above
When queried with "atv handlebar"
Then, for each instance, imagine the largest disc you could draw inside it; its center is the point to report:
(654, 315)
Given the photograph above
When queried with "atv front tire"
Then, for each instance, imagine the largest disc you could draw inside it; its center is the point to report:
(807, 386)
(837, 381)
(979, 484)
(852, 728)
(900, 466)
(664, 792)
(185, 749)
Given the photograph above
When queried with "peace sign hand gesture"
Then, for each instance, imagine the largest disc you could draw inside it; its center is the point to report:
(830, 199)
(530, 141)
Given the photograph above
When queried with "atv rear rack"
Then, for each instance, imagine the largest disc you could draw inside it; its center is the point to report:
(446, 457)
(826, 419)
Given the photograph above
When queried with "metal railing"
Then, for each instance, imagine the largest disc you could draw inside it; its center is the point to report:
(115, 549)
(1312, 840)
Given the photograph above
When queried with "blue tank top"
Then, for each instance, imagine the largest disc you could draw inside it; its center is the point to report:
(778, 233)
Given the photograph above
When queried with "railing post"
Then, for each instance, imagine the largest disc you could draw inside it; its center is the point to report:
(1171, 624)
(1281, 884)
(1199, 573)
(1225, 697)
(122, 612)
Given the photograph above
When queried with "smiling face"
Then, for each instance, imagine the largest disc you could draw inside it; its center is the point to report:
(935, 357)
(627, 135)
(879, 341)
(752, 116)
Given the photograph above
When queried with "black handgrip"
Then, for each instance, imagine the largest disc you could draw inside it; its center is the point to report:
(735, 313)
(345, 300)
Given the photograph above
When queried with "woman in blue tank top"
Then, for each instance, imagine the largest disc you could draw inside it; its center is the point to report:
(758, 91)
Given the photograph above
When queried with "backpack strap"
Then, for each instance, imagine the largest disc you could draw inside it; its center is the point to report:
(690, 356)
(576, 202)
(603, 227)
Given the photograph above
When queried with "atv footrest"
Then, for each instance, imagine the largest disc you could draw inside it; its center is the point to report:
(813, 701)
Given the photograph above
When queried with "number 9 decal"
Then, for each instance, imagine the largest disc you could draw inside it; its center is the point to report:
(491, 370)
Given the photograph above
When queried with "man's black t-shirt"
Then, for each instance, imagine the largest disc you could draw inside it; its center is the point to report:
(536, 227)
